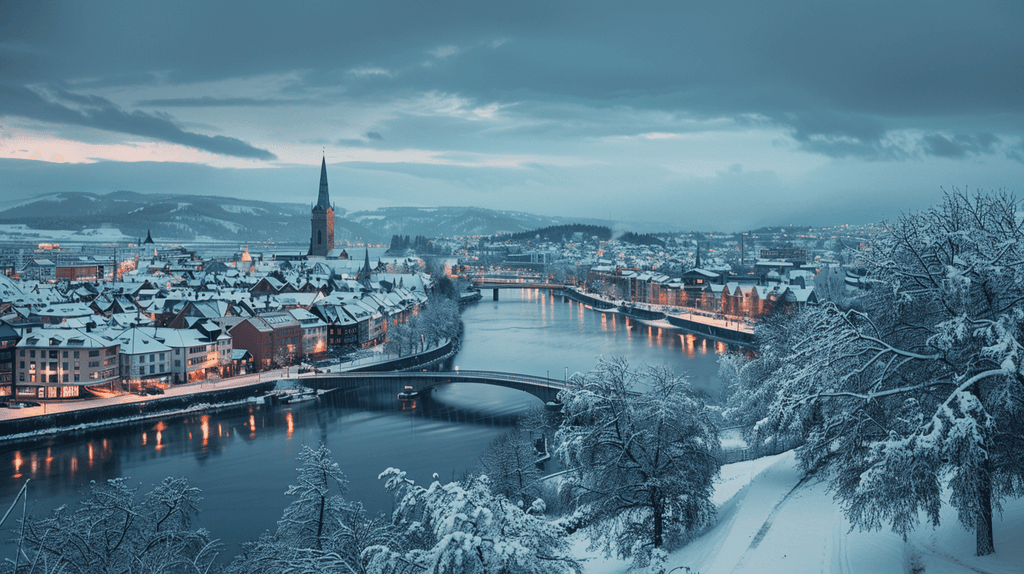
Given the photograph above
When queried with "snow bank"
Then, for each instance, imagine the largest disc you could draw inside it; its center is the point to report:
(771, 522)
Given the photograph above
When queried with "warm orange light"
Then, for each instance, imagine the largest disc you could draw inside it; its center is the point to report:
(90, 455)
(159, 440)
(17, 463)
(204, 424)
(252, 425)
(291, 424)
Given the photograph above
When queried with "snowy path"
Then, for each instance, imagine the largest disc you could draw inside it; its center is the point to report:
(770, 522)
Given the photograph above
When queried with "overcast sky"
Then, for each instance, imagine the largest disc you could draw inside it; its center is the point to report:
(705, 115)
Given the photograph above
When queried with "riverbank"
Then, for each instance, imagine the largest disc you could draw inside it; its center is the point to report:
(65, 416)
(690, 321)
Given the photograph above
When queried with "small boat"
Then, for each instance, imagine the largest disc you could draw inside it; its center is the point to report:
(299, 397)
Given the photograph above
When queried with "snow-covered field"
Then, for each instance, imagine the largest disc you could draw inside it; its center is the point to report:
(768, 522)
(19, 232)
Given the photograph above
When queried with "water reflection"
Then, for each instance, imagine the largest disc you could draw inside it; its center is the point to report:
(534, 332)
(443, 431)
(243, 457)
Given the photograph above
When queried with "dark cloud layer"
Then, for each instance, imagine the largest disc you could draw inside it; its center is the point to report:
(99, 113)
(875, 82)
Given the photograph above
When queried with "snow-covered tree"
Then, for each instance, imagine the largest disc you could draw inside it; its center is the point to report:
(111, 530)
(923, 388)
(463, 528)
(641, 464)
(320, 531)
(510, 463)
(313, 516)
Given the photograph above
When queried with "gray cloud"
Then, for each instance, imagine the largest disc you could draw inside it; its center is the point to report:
(959, 145)
(210, 102)
(374, 136)
(872, 83)
(102, 114)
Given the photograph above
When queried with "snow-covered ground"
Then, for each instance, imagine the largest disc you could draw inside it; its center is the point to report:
(20, 232)
(768, 522)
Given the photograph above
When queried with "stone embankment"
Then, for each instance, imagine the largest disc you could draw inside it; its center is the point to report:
(680, 319)
(63, 416)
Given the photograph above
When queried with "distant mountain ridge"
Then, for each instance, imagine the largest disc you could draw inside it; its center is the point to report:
(180, 217)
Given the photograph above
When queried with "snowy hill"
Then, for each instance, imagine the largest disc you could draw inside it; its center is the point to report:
(169, 217)
(771, 522)
(185, 217)
(455, 221)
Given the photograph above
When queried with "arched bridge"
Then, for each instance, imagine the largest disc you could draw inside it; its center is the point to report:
(417, 382)
(498, 285)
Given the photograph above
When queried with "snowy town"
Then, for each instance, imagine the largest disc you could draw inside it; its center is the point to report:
(511, 288)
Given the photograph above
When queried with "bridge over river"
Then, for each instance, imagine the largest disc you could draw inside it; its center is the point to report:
(417, 382)
(497, 285)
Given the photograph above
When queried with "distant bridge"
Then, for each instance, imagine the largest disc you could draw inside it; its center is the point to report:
(497, 285)
(543, 388)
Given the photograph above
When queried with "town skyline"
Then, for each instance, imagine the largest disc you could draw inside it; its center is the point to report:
(717, 117)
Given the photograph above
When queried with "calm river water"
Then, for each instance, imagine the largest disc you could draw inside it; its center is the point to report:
(243, 458)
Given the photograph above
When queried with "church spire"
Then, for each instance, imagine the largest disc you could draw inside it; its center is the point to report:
(323, 200)
(364, 273)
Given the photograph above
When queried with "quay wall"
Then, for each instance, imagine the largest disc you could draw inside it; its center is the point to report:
(119, 413)
(712, 331)
(694, 327)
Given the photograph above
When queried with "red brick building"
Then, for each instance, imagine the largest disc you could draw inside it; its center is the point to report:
(271, 338)
(78, 273)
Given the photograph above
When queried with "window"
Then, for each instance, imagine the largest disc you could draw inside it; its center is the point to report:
(32, 354)
(65, 365)
(142, 358)
(22, 366)
(152, 358)
(65, 377)
(21, 352)
(53, 366)
(76, 377)
(177, 351)
(152, 369)
(161, 356)
(76, 354)
(94, 353)
(65, 355)
(177, 362)
(77, 365)
(53, 354)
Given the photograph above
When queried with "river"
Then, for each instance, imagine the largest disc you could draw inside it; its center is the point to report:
(244, 457)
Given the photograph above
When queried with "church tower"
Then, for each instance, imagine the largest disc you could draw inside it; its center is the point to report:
(321, 238)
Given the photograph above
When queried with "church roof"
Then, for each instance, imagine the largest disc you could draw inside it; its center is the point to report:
(323, 200)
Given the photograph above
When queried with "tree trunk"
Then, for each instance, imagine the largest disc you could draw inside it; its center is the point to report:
(656, 507)
(320, 521)
(986, 545)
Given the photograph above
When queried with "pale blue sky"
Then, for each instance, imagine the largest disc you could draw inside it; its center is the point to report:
(723, 115)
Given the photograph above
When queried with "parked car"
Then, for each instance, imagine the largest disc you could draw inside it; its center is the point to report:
(154, 391)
